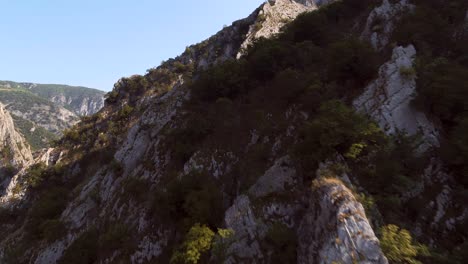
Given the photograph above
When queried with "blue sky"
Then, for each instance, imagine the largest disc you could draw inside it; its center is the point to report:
(95, 42)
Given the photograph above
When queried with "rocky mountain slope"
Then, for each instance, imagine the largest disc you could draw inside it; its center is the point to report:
(339, 140)
(42, 112)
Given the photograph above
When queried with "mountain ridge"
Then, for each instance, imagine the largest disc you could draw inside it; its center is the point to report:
(65, 95)
(42, 112)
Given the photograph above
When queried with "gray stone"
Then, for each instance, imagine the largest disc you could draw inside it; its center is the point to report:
(335, 228)
(275, 179)
(387, 100)
(381, 21)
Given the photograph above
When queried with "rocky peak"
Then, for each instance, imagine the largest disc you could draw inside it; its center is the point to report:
(14, 148)
(272, 16)
(351, 240)
(14, 153)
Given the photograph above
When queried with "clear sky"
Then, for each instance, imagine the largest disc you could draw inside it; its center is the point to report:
(95, 42)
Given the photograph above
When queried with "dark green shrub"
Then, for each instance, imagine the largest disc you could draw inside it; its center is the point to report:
(134, 85)
(136, 188)
(72, 135)
(456, 150)
(52, 230)
(335, 130)
(283, 243)
(352, 60)
(442, 88)
(6, 153)
(116, 166)
(195, 198)
(286, 87)
(308, 27)
(36, 175)
(228, 79)
(125, 112)
(7, 215)
(49, 206)
(182, 140)
(431, 26)
(117, 236)
(267, 57)
(112, 97)
(161, 77)
(84, 250)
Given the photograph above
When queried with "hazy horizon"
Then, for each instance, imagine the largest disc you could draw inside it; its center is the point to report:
(93, 44)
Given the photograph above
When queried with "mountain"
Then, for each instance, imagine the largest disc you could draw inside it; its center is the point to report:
(42, 112)
(308, 132)
(80, 100)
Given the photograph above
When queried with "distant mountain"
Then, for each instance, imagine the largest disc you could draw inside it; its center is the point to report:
(42, 111)
(80, 100)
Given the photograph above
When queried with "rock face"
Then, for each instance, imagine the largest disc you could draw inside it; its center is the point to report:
(15, 152)
(11, 139)
(82, 106)
(247, 229)
(51, 117)
(335, 228)
(82, 101)
(381, 21)
(388, 99)
(272, 16)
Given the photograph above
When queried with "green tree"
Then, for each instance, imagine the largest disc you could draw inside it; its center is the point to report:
(397, 245)
(337, 128)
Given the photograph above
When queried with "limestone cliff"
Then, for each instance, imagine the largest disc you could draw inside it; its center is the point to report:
(15, 151)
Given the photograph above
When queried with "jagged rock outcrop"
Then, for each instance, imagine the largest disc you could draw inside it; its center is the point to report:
(248, 230)
(14, 187)
(80, 105)
(387, 100)
(335, 228)
(14, 149)
(249, 218)
(381, 21)
(53, 118)
(15, 152)
(272, 16)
